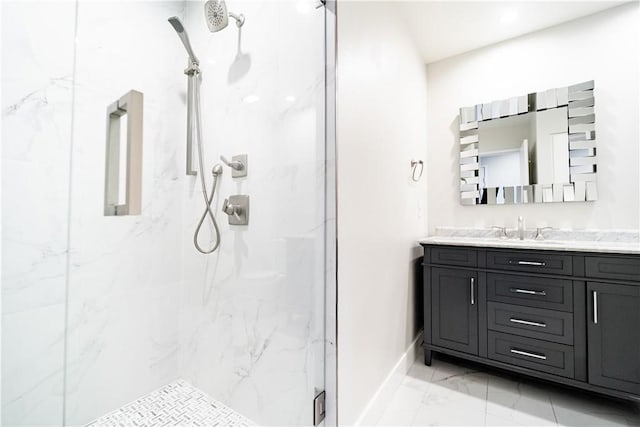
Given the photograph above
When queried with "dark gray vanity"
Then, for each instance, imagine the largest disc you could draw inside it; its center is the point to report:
(568, 317)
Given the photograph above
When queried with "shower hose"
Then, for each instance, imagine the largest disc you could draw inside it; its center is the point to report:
(194, 100)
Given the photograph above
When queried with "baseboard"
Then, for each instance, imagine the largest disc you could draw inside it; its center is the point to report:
(376, 406)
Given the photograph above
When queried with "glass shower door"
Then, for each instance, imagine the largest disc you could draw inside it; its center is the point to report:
(37, 77)
(125, 271)
(243, 326)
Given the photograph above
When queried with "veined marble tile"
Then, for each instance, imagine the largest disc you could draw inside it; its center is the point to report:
(404, 405)
(606, 236)
(454, 387)
(625, 242)
(120, 348)
(583, 409)
(458, 395)
(518, 403)
(255, 307)
(37, 66)
(32, 366)
(247, 323)
(125, 272)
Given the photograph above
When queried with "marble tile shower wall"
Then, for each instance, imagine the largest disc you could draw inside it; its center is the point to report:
(143, 307)
(37, 71)
(125, 272)
(252, 316)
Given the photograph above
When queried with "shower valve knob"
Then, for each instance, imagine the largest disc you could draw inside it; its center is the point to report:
(237, 208)
(229, 209)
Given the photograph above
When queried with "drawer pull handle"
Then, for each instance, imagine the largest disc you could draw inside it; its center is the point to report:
(527, 322)
(526, 353)
(532, 263)
(528, 292)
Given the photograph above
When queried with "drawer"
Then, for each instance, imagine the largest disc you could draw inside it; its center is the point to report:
(613, 268)
(540, 292)
(530, 262)
(543, 356)
(549, 325)
(454, 256)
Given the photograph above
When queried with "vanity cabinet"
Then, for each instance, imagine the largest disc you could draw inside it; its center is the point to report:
(568, 317)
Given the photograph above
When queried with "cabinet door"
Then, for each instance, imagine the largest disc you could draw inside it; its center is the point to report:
(614, 336)
(454, 309)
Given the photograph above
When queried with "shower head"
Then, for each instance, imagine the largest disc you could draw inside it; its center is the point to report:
(182, 33)
(215, 12)
(217, 169)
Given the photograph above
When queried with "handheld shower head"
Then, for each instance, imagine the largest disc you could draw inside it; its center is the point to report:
(215, 12)
(182, 33)
(217, 169)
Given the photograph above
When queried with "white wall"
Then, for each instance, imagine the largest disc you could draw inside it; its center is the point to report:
(380, 128)
(602, 47)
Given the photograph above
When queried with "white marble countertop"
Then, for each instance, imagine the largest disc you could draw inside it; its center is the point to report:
(607, 242)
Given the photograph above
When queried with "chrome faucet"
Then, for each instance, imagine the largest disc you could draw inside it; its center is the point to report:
(521, 228)
(539, 230)
(503, 231)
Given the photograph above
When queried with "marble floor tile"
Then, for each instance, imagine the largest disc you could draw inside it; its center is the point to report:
(421, 372)
(576, 408)
(404, 405)
(455, 392)
(516, 403)
(458, 399)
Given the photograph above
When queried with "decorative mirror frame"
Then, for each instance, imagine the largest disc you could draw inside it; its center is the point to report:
(579, 100)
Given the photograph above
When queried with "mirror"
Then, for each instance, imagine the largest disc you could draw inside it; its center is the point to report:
(535, 148)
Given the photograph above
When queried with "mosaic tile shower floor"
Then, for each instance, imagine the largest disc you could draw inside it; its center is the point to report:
(176, 404)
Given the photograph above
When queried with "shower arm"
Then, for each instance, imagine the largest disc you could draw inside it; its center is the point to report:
(239, 19)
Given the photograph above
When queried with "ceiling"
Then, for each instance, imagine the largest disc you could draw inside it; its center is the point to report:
(447, 28)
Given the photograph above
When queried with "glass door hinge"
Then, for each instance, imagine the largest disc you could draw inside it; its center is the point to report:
(318, 408)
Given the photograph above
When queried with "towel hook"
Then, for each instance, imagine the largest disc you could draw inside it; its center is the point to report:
(414, 166)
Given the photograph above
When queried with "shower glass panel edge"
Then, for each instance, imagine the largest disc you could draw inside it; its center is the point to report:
(331, 208)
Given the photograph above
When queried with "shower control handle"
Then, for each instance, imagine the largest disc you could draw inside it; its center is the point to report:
(230, 209)
(237, 208)
(238, 165)
(235, 165)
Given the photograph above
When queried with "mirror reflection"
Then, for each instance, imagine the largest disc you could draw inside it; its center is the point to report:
(534, 148)
(531, 148)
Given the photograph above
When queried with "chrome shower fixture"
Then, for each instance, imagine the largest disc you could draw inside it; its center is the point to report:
(215, 12)
(177, 25)
(194, 132)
